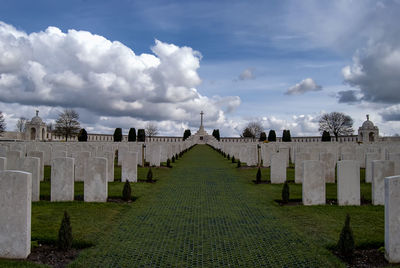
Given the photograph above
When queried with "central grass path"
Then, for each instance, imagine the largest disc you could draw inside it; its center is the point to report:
(204, 215)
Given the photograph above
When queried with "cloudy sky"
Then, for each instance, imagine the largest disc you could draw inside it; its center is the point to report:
(125, 63)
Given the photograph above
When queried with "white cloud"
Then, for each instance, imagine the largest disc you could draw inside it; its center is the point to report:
(105, 78)
(304, 86)
(247, 74)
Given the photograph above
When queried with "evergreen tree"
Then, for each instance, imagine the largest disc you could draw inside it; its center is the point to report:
(168, 163)
(263, 136)
(216, 134)
(272, 135)
(127, 191)
(258, 176)
(82, 136)
(286, 136)
(150, 175)
(346, 240)
(233, 159)
(326, 136)
(285, 193)
(118, 134)
(186, 134)
(132, 135)
(239, 164)
(141, 135)
(64, 241)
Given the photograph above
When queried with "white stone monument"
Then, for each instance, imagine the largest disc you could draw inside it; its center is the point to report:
(380, 170)
(392, 219)
(313, 190)
(348, 187)
(96, 183)
(15, 214)
(62, 179)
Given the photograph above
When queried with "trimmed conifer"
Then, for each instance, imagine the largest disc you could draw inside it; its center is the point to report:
(233, 159)
(132, 135)
(173, 159)
(258, 176)
(285, 193)
(239, 164)
(168, 162)
(127, 191)
(345, 244)
(272, 135)
(229, 157)
(150, 175)
(118, 134)
(64, 241)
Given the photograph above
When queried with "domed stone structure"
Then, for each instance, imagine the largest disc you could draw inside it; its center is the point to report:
(368, 132)
(35, 130)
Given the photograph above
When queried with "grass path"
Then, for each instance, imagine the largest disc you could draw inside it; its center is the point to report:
(204, 215)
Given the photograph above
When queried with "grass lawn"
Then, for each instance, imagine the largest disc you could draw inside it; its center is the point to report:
(206, 212)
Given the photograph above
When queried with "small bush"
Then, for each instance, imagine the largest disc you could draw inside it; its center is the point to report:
(285, 193)
(229, 157)
(168, 162)
(149, 175)
(233, 159)
(176, 156)
(127, 191)
(239, 164)
(345, 244)
(173, 159)
(258, 176)
(64, 241)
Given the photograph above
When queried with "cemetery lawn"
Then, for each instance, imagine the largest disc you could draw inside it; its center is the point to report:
(206, 212)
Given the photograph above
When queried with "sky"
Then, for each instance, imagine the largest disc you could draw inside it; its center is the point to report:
(129, 63)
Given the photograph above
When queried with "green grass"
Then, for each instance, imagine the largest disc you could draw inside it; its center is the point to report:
(206, 212)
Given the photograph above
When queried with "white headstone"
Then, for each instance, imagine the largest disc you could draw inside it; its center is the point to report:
(298, 167)
(313, 190)
(392, 219)
(395, 157)
(13, 158)
(348, 188)
(32, 165)
(96, 184)
(81, 165)
(62, 179)
(3, 163)
(15, 211)
(129, 167)
(278, 168)
(329, 162)
(369, 157)
(39, 155)
(110, 164)
(380, 170)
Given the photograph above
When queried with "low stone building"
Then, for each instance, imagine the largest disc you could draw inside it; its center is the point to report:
(368, 132)
(36, 129)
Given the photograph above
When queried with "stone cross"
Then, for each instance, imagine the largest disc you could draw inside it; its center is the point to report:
(367, 116)
(201, 114)
(37, 112)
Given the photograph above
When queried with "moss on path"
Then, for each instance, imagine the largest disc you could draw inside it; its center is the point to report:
(204, 215)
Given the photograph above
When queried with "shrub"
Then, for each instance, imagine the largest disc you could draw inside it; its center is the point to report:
(233, 159)
(239, 164)
(118, 134)
(168, 162)
(258, 176)
(286, 137)
(229, 157)
(149, 175)
(326, 136)
(141, 135)
(127, 191)
(285, 193)
(176, 156)
(263, 136)
(272, 135)
(186, 134)
(82, 136)
(132, 134)
(346, 240)
(173, 159)
(64, 241)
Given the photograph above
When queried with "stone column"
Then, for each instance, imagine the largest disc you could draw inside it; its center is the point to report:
(313, 190)
(392, 219)
(15, 211)
(380, 170)
(96, 184)
(62, 179)
(348, 187)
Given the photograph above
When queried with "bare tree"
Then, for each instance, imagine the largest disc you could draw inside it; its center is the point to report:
(2, 124)
(337, 124)
(20, 125)
(67, 124)
(253, 130)
(151, 130)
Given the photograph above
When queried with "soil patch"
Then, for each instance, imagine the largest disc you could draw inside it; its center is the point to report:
(364, 258)
(299, 202)
(52, 256)
(261, 182)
